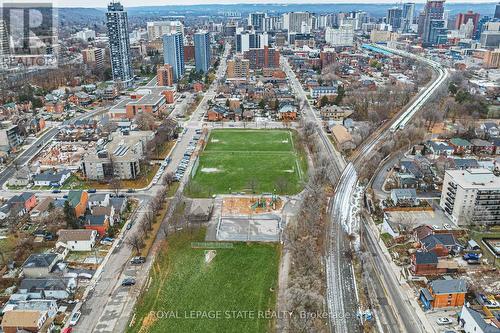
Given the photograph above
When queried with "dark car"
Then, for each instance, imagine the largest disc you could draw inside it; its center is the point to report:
(56, 191)
(129, 226)
(128, 282)
(130, 190)
(138, 260)
(92, 190)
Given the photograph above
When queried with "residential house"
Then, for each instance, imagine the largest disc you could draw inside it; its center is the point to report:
(39, 265)
(51, 178)
(480, 146)
(77, 240)
(335, 112)
(21, 177)
(48, 305)
(441, 244)
(404, 197)
(438, 148)
(490, 129)
(287, 112)
(444, 293)
(119, 205)
(78, 201)
(318, 92)
(461, 146)
(99, 223)
(108, 211)
(21, 204)
(422, 231)
(342, 137)
(464, 163)
(16, 321)
(42, 210)
(425, 263)
(473, 321)
(496, 143)
(98, 199)
(50, 288)
(217, 113)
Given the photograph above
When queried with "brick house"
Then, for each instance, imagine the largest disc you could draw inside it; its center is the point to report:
(78, 200)
(441, 244)
(424, 263)
(444, 293)
(99, 223)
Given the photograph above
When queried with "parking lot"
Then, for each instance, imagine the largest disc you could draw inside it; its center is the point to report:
(435, 317)
(188, 152)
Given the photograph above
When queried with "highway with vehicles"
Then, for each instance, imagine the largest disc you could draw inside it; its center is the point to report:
(394, 308)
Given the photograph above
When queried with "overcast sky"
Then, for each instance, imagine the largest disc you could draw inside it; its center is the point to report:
(136, 3)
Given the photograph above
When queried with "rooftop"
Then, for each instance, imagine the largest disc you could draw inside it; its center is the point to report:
(66, 235)
(475, 179)
(448, 286)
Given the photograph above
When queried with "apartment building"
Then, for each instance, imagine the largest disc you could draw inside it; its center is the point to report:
(238, 68)
(119, 158)
(471, 196)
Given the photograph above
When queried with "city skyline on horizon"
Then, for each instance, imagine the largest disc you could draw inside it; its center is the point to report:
(133, 3)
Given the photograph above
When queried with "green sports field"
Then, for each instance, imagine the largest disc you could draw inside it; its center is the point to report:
(230, 294)
(260, 161)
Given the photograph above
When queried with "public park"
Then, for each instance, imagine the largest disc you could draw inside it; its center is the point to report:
(250, 162)
(192, 281)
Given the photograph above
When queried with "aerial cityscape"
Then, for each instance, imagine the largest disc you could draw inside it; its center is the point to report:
(260, 166)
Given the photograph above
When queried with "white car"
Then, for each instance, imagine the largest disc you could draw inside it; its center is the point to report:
(436, 227)
(447, 226)
(74, 318)
(443, 321)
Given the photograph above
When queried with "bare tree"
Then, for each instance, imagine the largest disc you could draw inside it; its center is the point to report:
(149, 219)
(115, 185)
(145, 121)
(136, 242)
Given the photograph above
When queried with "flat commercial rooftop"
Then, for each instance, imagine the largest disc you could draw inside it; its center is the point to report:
(266, 228)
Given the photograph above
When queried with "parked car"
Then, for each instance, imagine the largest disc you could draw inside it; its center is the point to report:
(443, 321)
(128, 282)
(74, 318)
(92, 190)
(138, 260)
(129, 226)
(130, 190)
(56, 191)
(471, 256)
(447, 226)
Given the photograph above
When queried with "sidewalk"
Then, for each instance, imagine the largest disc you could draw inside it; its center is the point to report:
(408, 292)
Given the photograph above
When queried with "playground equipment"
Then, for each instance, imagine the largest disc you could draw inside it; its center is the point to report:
(262, 202)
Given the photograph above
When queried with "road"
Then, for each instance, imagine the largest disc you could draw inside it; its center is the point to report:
(398, 315)
(401, 311)
(25, 156)
(341, 289)
(109, 306)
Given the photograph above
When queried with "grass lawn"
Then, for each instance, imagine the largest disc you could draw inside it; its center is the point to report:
(478, 237)
(146, 176)
(242, 278)
(237, 160)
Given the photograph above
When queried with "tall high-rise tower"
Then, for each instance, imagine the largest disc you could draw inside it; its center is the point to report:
(173, 53)
(119, 45)
(202, 51)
